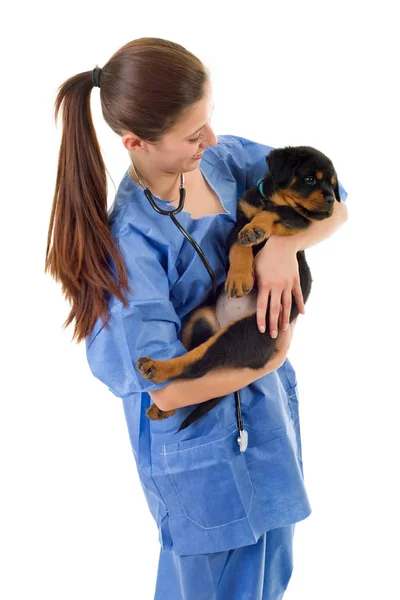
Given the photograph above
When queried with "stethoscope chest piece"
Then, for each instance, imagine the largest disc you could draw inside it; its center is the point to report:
(243, 440)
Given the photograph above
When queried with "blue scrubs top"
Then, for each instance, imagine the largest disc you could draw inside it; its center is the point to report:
(204, 494)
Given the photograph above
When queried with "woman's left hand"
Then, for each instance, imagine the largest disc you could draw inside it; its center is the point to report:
(277, 274)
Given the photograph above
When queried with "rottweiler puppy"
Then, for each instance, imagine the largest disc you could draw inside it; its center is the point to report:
(300, 186)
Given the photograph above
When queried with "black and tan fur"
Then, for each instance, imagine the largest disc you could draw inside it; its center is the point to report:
(299, 187)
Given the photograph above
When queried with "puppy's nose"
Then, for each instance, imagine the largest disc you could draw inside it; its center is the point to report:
(329, 200)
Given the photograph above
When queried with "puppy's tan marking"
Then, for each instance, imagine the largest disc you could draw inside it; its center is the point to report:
(249, 210)
(208, 313)
(315, 198)
(286, 197)
(318, 175)
(281, 198)
(290, 198)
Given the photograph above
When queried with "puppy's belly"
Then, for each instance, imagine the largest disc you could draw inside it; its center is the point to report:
(230, 309)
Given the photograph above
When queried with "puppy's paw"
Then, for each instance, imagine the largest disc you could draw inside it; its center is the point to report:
(156, 370)
(155, 414)
(251, 235)
(149, 369)
(238, 283)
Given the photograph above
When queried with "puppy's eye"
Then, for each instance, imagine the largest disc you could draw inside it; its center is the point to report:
(310, 180)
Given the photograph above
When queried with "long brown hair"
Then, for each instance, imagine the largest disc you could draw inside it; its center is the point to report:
(144, 88)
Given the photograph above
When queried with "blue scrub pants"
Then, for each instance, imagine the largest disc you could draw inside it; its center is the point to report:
(258, 572)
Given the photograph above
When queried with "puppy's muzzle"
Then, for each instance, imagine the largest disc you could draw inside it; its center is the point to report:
(329, 200)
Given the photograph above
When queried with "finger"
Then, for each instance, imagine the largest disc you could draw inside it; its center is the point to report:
(262, 306)
(286, 308)
(283, 341)
(298, 296)
(274, 310)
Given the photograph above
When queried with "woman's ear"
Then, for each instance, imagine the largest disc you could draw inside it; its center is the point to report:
(282, 163)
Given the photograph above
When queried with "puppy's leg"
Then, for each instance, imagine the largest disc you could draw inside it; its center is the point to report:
(156, 414)
(262, 226)
(239, 344)
(240, 278)
(162, 370)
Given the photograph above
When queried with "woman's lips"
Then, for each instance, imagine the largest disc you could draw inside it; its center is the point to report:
(197, 156)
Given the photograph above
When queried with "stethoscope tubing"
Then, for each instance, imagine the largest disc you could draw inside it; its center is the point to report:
(242, 440)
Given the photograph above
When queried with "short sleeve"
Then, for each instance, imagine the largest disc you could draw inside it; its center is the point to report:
(256, 166)
(147, 326)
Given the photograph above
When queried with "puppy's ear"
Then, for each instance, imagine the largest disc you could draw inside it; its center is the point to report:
(282, 163)
(336, 189)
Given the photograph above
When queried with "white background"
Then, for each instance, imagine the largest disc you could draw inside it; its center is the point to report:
(74, 520)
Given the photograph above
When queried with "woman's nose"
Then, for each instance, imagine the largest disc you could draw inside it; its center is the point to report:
(209, 137)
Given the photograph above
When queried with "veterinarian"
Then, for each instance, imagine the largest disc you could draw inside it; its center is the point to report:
(225, 517)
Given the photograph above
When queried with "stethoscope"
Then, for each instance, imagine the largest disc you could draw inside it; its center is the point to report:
(243, 438)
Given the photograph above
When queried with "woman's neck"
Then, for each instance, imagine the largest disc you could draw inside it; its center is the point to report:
(163, 185)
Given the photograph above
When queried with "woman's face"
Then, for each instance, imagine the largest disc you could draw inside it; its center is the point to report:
(180, 149)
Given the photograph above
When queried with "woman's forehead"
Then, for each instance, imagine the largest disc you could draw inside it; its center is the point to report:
(196, 116)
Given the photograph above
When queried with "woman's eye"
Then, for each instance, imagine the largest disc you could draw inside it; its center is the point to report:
(197, 139)
(310, 180)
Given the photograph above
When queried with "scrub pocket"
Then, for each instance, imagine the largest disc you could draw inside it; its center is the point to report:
(210, 478)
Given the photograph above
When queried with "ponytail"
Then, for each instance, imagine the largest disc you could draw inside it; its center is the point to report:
(82, 242)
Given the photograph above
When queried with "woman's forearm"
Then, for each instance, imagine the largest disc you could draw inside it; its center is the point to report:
(316, 232)
(218, 382)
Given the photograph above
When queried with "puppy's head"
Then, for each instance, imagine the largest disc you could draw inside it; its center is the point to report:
(304, 179)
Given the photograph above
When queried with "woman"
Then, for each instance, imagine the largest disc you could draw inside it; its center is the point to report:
(225, 517)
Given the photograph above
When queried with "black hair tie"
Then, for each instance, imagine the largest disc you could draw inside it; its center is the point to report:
(96, 76)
